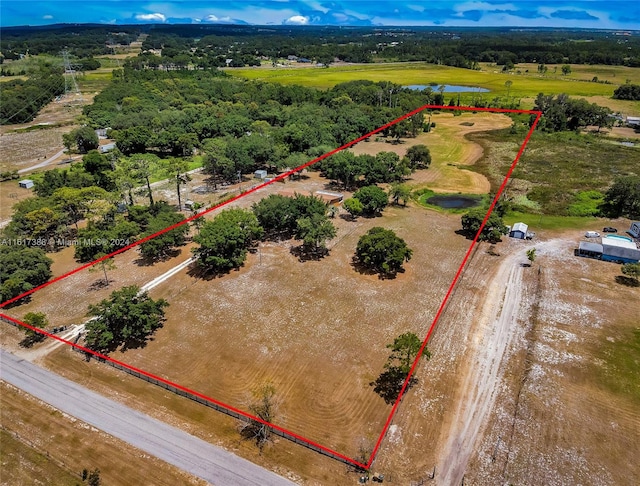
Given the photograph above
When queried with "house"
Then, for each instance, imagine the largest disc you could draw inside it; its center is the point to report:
(519, 230)
(26, 183)
(620, 249)
(260, 174)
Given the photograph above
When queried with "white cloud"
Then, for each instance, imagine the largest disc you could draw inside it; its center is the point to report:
(154, 17)
(47, 17)
(211, 18)
(297, 20)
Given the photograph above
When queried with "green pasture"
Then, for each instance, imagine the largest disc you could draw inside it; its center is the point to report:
(523, 85)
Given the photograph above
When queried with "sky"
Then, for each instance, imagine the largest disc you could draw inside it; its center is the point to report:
(595, 14)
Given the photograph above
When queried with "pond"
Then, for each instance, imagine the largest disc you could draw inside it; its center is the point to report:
(454, 201)
(448, 88)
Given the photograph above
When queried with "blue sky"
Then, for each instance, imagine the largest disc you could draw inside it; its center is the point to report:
(525, 13)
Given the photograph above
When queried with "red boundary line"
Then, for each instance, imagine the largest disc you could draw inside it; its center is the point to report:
(254, 189)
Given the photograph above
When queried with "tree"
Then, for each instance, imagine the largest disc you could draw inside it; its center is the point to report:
(353, 207)
(623, 198)
(35, 319)
(382, 251)
(404, 350)
(398, 192)
(531, 255)
(160, 246)
(86, 139)
(93, 478)
(508, 83)
(566, 69)
(216, 161)
(104, 265)
(21, 269)
(492, 231)
(225, 240)
(143, 166)
(419, 157)
(632, 270)
(314, 231)
(373, 199)
(176, 168)
(264, 406)
(127, 319)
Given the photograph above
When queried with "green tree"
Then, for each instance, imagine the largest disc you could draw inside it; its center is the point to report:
(265, 407)
(21, 269)
(104, 265)
(93, 478)
(623, 198)
(400, 192)
(353, 207)
(531, 255)
(176, 168)
(86, 139)
(419, 157)
(492, 231)
(404, 351)
(127, 319)
(373, 199)
(35, 319)
(160, 246)
(382, 251)
(144, 166)
(507, 84)
(566, 69)
(225, 240)
(216, 161)
(314, 231)
(632, 270)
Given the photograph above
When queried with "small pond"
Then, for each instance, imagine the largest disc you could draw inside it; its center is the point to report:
(454, 201)
(448, 88)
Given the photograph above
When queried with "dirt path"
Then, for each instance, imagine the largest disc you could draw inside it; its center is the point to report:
(497, 320)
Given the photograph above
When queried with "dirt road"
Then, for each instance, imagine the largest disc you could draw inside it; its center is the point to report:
(497, 329)
(168, 443)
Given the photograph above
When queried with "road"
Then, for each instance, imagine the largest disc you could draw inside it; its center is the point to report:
(168, 443)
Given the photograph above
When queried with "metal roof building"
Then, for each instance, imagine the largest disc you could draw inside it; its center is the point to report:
(621, 249)
(519, 230)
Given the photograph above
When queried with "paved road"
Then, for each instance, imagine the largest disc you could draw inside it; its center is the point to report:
(168, 443)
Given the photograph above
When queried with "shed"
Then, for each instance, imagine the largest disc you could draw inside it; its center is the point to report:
(633, 121)
(26, 183)
(519, 230)
(107, 147)
(330, 197)
(260, 174)
(589, 250)
(620, 249)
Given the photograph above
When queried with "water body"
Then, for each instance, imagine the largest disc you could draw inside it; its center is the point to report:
(448, 88)
(453, 201)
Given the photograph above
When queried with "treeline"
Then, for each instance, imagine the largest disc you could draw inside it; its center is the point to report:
(627, 91)
(21, 100)
(82, 41)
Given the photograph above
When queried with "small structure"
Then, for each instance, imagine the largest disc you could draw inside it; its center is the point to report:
(519, 230)
(589, 250)
(620, 249)
(189, 205)
(107, 147)
(260, 174)
(330, 197)
(633, 121)
(26, 183)
(635, 229)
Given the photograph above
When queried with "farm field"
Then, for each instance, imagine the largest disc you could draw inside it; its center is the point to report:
(525, 85)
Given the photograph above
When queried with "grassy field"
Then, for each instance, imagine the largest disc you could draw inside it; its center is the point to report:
(525, 85)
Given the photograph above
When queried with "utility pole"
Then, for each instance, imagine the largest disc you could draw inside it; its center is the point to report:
(70, 83)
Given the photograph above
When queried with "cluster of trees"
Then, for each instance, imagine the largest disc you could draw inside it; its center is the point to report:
(352, 170)
(21, 269)
(564, 113)
(21, 100)
(404, 350)
(622, 199)
(627, 91)
(493, 229)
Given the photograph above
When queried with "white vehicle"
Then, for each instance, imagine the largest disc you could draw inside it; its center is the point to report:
(592, 234)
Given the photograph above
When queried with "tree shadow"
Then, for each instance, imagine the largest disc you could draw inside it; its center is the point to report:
(363, 269)
(347, 217)
(304, 254)
(390, 382)
(144, 261)
(207, 274)
(100, 284)
(627, 281)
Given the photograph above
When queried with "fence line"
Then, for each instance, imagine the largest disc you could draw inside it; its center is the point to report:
(215, 406)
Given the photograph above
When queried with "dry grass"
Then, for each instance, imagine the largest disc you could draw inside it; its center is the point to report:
(40, 445)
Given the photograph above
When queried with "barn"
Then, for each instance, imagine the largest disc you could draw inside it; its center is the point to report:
(519, 230)
(620, 249)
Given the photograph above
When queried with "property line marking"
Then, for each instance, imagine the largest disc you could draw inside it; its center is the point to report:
(252, 190)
